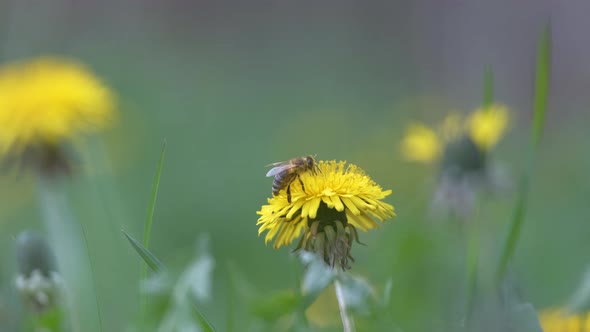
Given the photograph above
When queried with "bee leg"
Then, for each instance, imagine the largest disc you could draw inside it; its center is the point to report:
(289, 193)
(301, 182)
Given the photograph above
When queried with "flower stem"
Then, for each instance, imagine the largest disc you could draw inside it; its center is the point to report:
(473, 246)
(65, 238)
(347, 320)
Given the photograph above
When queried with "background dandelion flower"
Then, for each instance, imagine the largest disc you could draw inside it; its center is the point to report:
(421, 144)
(336, 201)
(484, 127)
(460, 146)
(487, 125)
(46, 102)
(557, 320)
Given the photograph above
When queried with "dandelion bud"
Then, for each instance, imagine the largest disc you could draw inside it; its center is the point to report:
(37, 281)
(330, 236)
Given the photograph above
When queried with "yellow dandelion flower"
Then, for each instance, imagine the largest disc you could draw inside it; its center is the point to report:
(332, 203)
(484, 128)
(421, 144)
(487, 125)
(459, 146)
(46, 102)
(557, 320)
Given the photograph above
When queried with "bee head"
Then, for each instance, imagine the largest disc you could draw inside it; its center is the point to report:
(311, 163)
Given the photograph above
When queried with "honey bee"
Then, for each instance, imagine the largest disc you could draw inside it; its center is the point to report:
(285, 172)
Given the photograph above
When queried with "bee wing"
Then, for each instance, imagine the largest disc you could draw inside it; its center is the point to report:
(280, 168)
(278, 163)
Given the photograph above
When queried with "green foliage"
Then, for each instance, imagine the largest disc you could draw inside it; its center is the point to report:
(152, 261)
(52, 320)
(147, 230)
(181, 312)
(543, 69)
(540, 106)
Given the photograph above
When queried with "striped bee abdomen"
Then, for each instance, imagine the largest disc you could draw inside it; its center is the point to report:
(281, 181)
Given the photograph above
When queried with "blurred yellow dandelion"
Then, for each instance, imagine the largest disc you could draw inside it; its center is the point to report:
(556, 320)
(487, 125)
(460, 146)
(328, 209)
(421, 144)
(484, 127)
(48, 101)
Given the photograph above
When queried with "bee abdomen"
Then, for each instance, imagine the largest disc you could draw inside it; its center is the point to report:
(276, 187)
(281, 181)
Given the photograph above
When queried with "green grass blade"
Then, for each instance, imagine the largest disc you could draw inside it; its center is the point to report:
(206, 326)
(541, 85)
(147, 228)
(149, 258)
(93, 278)
(152, 205)
(540, 106)
(488, 87)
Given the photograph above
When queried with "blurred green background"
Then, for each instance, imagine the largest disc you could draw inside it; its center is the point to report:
(233, 86)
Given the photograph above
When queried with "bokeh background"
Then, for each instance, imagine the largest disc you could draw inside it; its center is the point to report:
(233, 86)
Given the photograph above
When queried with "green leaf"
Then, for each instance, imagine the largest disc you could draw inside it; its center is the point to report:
(205, 325)
(147, 228)
(541, 84)
(152, 205)
(151, 260)
(540, 107)
(50, 320)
